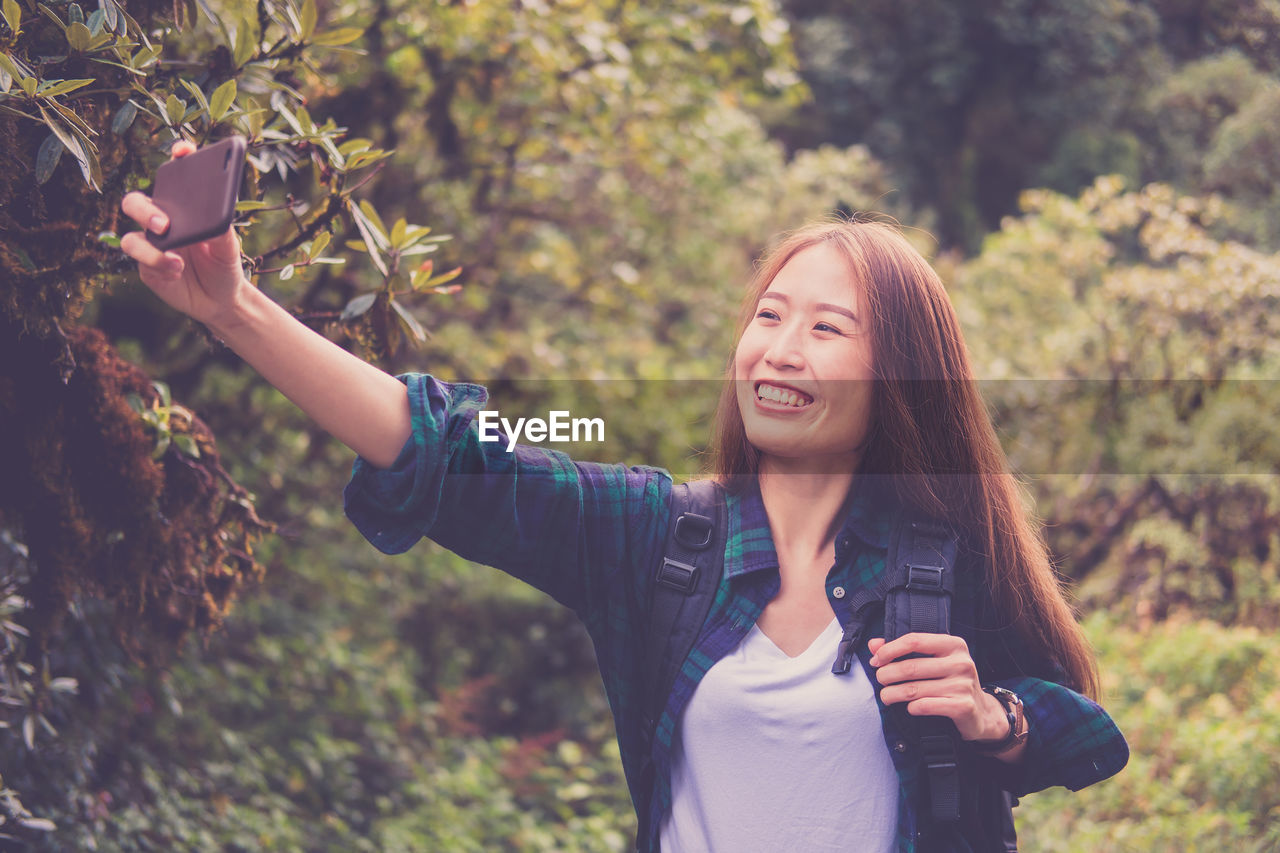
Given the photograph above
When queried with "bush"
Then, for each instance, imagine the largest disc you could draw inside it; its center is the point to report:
(1200, 706)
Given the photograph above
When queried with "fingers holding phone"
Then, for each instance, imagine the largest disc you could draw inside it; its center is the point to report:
(189, 254)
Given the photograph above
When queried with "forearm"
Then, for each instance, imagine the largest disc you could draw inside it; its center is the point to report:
(362, 406)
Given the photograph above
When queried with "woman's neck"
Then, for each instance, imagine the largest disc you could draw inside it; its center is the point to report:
(805, 507)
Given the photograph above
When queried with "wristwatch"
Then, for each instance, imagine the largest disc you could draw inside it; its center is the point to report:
(1017, 724)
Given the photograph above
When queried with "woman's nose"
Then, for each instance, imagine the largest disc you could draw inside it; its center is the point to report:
(785, 350)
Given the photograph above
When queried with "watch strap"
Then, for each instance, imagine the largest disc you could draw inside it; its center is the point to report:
(1012, 705)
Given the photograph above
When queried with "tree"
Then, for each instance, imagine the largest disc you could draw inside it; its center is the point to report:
(110, 489)
(1138, 397)
(970, 103)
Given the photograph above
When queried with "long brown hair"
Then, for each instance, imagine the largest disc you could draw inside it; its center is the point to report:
(930, 434)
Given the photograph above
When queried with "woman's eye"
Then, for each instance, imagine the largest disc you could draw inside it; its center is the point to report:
(827, 327)
(767, 314)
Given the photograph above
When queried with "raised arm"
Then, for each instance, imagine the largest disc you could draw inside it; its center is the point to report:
(362, 406)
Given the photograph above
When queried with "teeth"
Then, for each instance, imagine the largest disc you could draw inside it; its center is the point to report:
(778, 395)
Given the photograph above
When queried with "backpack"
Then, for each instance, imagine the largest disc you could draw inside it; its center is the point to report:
(916, 591)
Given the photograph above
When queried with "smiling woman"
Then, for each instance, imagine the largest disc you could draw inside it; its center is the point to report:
(849, 401)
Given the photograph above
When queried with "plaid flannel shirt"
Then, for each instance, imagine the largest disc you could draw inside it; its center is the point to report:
(591, 536)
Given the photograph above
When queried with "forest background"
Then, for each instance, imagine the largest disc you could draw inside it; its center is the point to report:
(563, 200)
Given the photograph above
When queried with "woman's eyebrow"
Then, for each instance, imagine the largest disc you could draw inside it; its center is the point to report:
(836, 309)
(821, 306)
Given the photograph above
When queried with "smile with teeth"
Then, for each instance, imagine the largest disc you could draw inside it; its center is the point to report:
(784, 396)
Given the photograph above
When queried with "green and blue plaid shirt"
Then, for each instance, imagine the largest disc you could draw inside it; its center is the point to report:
(592, 535)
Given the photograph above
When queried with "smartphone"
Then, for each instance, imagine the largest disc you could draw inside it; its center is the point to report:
(198, 193)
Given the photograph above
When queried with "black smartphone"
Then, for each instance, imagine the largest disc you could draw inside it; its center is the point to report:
(198, 193)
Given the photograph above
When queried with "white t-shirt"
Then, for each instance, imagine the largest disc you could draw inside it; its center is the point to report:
(776, 754)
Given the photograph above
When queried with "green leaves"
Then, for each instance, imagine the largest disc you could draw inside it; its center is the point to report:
(112, 15)
(47, 157)
(72, 134)
(422, 278)
(386, 249)
(174, 110)
(1202, 737)
(24, 690)
(145, 57)
(358, 306)
(160, 418)
(318, 245)
(52, 88)
(307, 20)
(221, 99)
(246, 46)
(124, 117)
(372, 232)
(9, 72)
(187, 446)
(79, 37)
(337, 37)
(197, 93)
(96, 84)
(410, 322)
(12, 14)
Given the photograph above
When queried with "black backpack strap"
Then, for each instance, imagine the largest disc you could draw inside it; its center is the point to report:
(926, 568)
(986, 808)
(920, 572)
(683, 590)
(918, 593)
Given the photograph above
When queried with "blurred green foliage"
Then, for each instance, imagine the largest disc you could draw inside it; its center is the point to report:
(1141, 401)
(971, 103)
(597, 178)
(1200, 705)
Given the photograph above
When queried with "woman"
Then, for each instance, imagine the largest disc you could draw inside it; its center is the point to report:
(850, 396)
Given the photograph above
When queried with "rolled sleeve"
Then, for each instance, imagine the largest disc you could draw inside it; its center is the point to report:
(395, 507)
(1071, 740)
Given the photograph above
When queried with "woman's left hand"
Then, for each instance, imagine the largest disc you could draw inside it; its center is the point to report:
(944, 683)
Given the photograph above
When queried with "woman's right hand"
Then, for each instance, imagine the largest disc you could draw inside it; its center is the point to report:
(204, 280)
(365, 408)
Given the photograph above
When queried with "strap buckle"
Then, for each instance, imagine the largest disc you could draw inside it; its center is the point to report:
(681, 577)
(939, 752)
(925, 578)
(694, 531)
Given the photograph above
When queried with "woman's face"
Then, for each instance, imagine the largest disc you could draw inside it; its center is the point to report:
(804, 365)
